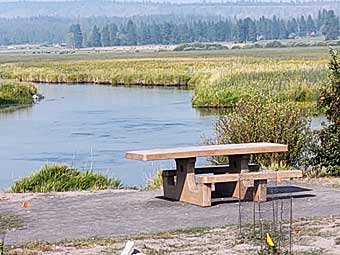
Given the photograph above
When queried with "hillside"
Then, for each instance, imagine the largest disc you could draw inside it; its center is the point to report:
(109, 8)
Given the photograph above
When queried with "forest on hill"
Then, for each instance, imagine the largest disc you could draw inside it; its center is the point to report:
(240, 9)
(240, 30)
(143, 30)
(95, 23)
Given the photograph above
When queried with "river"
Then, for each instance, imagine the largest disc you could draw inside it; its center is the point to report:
(92, 127)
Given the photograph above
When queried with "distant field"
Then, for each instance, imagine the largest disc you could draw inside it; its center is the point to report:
(219, 78)
(155, 52)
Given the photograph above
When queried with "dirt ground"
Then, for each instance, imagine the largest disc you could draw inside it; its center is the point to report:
(102, 222)
(310, 236)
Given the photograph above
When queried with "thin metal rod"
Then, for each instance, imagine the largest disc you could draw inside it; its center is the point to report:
(239, 205)
(254, 215)
(290, 225)
(261, 227)
(280, 225)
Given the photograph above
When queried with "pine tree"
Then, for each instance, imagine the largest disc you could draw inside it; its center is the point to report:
(75, 36)
(183, 32)
(311, 29)
(145, 34)
(319, 20)
(249, 30)
(241, 36)
(131, 34)
(261, 28)
(275, 28)
(331, 28)
(95, 38)
(166, 30)
(283, 33)
(302, 26)
(156, 36)
(114, 40)
(105, 36)
(292, 27)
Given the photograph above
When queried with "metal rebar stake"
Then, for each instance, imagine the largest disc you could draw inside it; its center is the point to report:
(280, 224)
(261, 227)
(254, 215)
(290, 225)
(239, 206)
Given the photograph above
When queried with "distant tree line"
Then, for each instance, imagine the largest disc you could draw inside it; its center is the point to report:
(162, 29)
(171, 32)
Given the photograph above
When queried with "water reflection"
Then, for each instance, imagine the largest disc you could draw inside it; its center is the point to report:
(15, 110)
(93, 126)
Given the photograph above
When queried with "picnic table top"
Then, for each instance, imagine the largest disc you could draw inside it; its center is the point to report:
(206, 151)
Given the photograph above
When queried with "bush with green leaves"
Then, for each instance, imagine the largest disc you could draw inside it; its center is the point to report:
(260, 119)
(326, 148)
(60, 178)
(15, 93)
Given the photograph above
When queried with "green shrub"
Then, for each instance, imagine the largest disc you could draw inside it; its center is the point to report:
(326, 147)
(248, 46)
(300, 44)
(155, 181)
(258, 45)
(200, 46)
(14, 93)
(274, 44)
(60, 178)
(236, 47)
(262, 120)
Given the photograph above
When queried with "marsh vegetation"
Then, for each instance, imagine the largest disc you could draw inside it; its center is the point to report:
(217, 81)
(15, 93)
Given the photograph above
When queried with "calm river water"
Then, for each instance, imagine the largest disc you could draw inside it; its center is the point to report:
(93, 126)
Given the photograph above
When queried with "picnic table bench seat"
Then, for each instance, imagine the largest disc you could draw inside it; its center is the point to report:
(240, 179)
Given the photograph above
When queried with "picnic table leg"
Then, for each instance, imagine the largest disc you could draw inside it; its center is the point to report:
(237, 164)
(183, 185)
(260, 187)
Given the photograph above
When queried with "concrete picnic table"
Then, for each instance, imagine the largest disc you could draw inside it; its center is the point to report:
(239, 179)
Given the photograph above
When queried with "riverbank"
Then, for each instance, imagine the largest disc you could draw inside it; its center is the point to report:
(14, 94)
(219, 79)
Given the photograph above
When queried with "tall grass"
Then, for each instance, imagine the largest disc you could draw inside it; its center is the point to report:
(15, 93)
(60, 178)
(217, 81)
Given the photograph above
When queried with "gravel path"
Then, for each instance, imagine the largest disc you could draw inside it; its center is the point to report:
(105, 214)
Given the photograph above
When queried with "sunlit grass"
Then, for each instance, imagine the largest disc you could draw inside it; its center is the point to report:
(60, 178)
(218, 81)
(15, 93)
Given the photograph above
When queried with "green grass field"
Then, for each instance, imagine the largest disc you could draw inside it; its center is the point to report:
(48, 55)
(219, 78)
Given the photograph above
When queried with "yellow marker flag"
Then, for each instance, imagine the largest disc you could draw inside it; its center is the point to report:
(279, 179)
(25, 205)
(270, 241)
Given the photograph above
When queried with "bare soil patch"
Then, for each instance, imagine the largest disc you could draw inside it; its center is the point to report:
(310, 236)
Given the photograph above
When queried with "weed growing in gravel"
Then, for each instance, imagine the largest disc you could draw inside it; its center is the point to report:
(60, 178)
